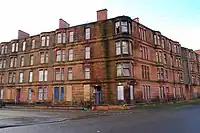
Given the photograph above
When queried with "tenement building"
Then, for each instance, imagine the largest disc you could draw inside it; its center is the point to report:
(109, 61)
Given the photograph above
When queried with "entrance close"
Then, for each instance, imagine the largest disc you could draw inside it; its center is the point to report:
(18, 91)
(97, 94)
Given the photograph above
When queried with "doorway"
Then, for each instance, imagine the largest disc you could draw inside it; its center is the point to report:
(18, 95)
(98, 93)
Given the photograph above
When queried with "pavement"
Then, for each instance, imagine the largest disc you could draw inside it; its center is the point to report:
(184, 120)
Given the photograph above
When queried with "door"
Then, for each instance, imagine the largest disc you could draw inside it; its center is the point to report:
(18, 95)
(29, 94)
(98, 95)
(56, 94)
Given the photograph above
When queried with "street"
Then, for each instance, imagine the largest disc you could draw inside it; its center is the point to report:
(145, 121)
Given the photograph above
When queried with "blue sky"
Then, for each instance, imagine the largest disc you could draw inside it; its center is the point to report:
(176, 19)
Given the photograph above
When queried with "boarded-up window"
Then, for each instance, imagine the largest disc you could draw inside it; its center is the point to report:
(87, 91)
(69, 93)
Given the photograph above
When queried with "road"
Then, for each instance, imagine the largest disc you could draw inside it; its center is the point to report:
(149, 121)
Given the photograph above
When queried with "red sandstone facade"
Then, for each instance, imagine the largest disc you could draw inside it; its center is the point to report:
(109, 61)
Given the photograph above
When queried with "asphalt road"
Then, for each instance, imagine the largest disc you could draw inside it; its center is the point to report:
(152, 121)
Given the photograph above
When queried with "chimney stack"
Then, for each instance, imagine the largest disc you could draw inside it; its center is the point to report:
(102, 14)
(63, 24)
(136, 19)
(22, 34)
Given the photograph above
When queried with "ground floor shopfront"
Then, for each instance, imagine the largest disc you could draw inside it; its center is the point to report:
(122, 92)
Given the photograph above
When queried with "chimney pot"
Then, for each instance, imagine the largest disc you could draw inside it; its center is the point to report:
(136, 19)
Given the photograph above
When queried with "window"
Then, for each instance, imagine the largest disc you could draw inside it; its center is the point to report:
(43, 75)
(181, 76)
(158, 37)
(43, 41)
(60, 55)
(144, 52)
(61, 38)
(4, 63)
(144, 34)
(158, 73)
(160, 57)
(47, 43)
(62, 94)
(45, 93)
(31, 59)
(179, 60)
(11, 62)
(120, 92)
(2, 78)
(70, 54)
(170, 46)
(1, 63)
(24, 46)
(123, 69)
(165, 59)
(14, 47)
(118, 48)
(59, 72)
(33, 44)
(14, 77)
(70, 74)
(87, 33)
(87, 52)
(155, 39)
(161, 74)
(10, 77)
(145, 72)
(166, 74)
(171, 60)
(30, 76)
(44, 57)
(87, 73)
(157, 57)
(163, 43)
(71, 36)
(6, 49)
(22, 61)
(123, 47)
(175, 49)
(117, 27)
(126, 69)
(2, 49)
(21, 77)
(15, 62)
(40, 94)
(122, 27)
(146, 92)
(162, 93)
